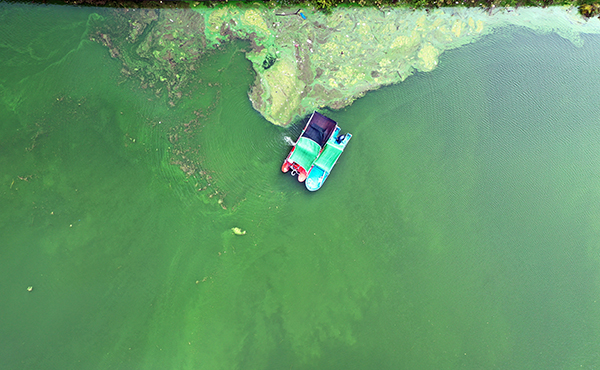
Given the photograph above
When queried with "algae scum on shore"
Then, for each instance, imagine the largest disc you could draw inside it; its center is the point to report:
(325, 60)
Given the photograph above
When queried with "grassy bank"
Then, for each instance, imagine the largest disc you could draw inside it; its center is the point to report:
(587, 8)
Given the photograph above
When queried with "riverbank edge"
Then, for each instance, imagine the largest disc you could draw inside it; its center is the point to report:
(324, 65)
(587, 8)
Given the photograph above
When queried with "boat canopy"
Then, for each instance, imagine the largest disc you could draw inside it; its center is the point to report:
(305, 152)
(319, 128)
(329, 156)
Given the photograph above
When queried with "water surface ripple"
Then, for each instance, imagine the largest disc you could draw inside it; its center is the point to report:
(459, 229)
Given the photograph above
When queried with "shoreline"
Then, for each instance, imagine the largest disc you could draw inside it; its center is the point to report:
(319, 59)
(586, 8)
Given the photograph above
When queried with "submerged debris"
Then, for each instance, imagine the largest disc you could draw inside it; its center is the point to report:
(238, 231)
(159, 47)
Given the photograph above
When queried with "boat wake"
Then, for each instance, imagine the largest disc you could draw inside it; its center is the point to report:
(288, 140)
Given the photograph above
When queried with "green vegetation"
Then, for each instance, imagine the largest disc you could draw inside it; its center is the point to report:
(303, 58)
(587, 8)
(328, 4)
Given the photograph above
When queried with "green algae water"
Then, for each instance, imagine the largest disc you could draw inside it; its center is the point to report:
(459, 229)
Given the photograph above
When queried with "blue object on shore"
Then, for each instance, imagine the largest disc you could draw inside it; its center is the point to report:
(302, 15)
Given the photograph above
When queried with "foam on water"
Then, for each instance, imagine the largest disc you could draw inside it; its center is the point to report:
(288, 140)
